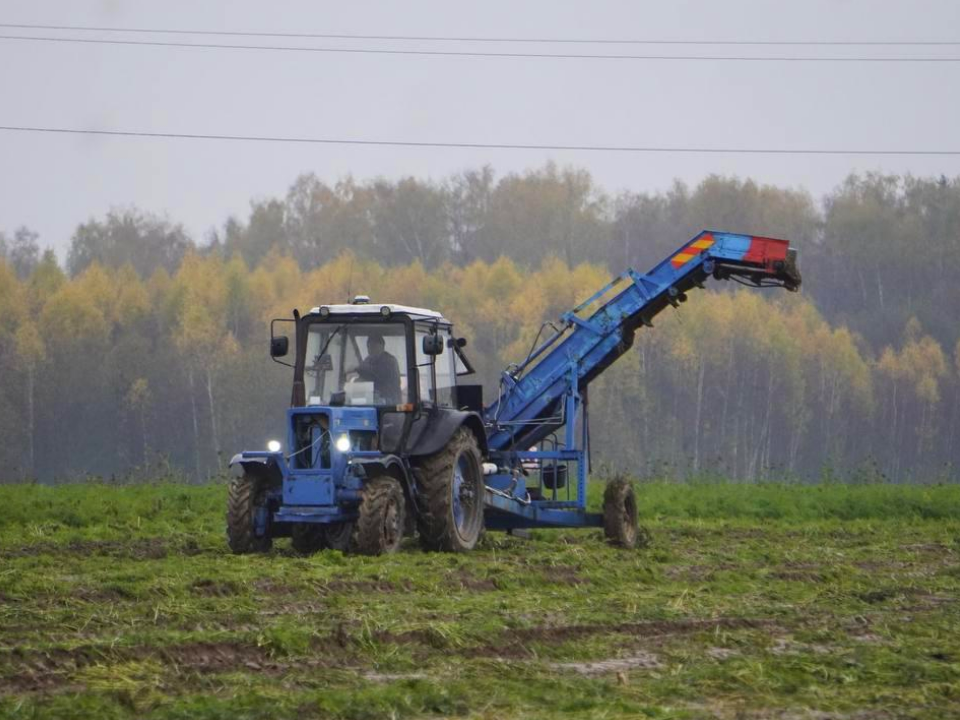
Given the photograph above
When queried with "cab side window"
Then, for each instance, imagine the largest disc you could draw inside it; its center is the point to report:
(446, 376)
(442, 393)
(423, 367)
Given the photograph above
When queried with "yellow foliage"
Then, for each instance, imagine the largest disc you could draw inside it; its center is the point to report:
(73, 315)
(215, 313)
(29, 344)
(920, 363)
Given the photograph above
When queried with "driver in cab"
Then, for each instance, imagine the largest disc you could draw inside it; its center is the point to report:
(380, 368)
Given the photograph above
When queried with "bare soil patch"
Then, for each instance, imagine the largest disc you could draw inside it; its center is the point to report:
(361, 586)
(214, 588)
(465, 580)
(563, 575)
(639, 661)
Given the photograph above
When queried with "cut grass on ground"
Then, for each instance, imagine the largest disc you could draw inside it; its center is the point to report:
(753, 602)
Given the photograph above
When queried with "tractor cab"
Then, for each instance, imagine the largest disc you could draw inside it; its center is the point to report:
(389, 367)
(391, 357)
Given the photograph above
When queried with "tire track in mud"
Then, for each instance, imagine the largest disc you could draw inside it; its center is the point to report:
(55, 670)
(514, 643)
(141, 549)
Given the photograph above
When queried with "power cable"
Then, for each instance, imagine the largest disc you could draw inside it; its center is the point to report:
(476, 39)
(466, 53)
(476, 145)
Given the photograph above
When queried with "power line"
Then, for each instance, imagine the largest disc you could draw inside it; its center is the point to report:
(476, 145)
(440, 38)
(466, 53)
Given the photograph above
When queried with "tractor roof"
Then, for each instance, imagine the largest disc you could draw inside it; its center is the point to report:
(369, 308)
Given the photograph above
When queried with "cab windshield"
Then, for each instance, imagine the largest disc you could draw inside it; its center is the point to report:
(356, 364)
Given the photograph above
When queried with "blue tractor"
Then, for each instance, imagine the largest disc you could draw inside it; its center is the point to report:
(385, 439)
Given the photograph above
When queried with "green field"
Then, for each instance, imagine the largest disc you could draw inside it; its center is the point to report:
(752, 602)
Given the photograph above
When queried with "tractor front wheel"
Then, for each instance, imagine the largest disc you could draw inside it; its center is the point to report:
(451, 485)
(379, 527)
(620, 524)
(248, 517)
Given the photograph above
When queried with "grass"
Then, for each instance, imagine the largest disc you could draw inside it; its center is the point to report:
(767, 601)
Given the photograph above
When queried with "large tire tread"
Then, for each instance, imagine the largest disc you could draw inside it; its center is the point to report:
(435, 477)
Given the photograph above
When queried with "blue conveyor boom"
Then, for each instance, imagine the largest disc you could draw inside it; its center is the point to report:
(593, 335)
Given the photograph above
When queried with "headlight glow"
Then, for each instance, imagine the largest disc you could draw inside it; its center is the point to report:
(274, 446)
(343, 443)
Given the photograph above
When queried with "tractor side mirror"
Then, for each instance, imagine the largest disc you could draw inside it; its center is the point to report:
(279, 346)
(457, 342)
(432, 345)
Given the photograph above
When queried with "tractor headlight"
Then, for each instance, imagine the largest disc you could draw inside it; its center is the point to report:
(274, 446)
(343, 443)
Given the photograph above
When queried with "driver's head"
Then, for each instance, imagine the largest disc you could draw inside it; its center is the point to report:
(375, 344)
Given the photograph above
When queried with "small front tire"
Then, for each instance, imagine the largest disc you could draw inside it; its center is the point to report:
(248, 516)
(379, 526)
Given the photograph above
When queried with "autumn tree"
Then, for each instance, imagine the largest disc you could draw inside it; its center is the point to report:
(150, 348)
(142, 240)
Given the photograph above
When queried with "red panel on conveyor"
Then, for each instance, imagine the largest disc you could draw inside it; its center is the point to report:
(764, 251)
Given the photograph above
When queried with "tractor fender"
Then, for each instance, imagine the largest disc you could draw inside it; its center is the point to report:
(394, 467)
(265, 468)
(441, 426)
(386, 465)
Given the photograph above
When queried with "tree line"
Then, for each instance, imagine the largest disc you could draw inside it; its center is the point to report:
(149, 348)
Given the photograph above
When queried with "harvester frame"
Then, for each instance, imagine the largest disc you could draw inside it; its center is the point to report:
(360, 471)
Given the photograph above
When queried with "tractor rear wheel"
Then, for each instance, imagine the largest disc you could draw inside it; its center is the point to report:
(451, 485)
(620, 524)
(379, 527)
(248, 516)
(307, 538)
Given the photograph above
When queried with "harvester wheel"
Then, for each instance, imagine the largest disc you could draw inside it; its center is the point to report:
(451, 511)
(620, 525)
(246, 505)
(379, 527)
(308, 538)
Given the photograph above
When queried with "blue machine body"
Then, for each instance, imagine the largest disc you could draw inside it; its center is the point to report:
(324, 487)
(537, 434)
(540, 416)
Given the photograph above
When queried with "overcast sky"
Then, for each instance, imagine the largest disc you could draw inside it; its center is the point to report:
(51, 183)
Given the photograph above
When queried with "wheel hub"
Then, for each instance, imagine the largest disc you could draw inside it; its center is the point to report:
(464, 497)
